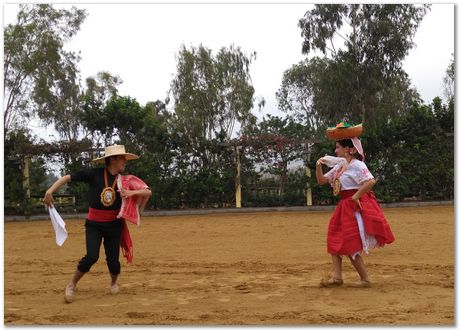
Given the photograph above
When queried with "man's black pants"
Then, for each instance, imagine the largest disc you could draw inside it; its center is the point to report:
(95, 232)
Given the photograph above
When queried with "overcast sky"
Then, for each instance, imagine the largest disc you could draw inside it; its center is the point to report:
(139, 42)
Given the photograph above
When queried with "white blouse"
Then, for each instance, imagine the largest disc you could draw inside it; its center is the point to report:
(353, 177)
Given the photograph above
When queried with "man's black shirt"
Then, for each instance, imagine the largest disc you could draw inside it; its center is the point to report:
(95, 178)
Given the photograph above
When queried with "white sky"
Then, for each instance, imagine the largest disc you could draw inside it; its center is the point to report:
(139, 42)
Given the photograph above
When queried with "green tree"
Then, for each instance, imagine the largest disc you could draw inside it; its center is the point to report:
(444, 115)
(413, 155)
(375, 37)
(274, 143)
(143, 130)
(16, 199)
(449, 81)
(299, 88)
(39, 74)
(103, 87)
(317, 92)
(212, 93)
(97, 124)
(152, 140)
(61, 105)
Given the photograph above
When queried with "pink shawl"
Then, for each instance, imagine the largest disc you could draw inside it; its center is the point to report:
(130, 211)
(132, 207)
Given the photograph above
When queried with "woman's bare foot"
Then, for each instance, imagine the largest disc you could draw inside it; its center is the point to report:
(362, 284)
(332, 282)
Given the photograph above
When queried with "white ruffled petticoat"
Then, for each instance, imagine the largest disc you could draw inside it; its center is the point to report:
(368, 241)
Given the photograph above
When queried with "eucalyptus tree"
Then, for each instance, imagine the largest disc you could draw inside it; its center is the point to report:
(40, 75)
(449, 81)
(363, 47)
(211, 94)
(96, 120)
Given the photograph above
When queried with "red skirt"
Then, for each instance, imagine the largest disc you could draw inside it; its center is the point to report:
(343, 233)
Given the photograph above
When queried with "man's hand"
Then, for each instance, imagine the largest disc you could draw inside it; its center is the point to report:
(126, 193)
(48, 199)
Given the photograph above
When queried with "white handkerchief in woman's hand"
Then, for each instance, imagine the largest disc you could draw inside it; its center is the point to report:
(331, 161)
(58, 225)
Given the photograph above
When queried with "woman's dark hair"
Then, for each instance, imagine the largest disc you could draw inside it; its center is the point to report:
(346, 143)
(349, 143)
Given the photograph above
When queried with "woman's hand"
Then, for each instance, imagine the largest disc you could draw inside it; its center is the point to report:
(356, 200)
(365, 187)
(320, 178)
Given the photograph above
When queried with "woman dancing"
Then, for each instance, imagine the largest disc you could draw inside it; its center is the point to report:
(358, 223)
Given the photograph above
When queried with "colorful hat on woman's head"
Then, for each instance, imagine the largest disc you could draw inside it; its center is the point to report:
(344, 131)
(347, 131)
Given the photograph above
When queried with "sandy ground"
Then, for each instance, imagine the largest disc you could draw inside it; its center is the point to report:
(256, 269)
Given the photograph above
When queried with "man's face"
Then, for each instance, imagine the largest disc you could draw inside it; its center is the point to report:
(118, 162)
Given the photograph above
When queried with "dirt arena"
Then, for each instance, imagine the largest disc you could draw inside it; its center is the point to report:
(235, 269)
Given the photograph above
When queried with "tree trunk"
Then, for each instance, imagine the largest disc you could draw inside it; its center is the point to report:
(283, 178)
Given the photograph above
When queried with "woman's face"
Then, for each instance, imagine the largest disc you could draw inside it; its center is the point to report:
(341, 151)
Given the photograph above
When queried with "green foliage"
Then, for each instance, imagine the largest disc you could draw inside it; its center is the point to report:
(102, 87)
(79, 190)
(414, 155)
(188, 156)
(16, 200)
(13, 191)
(211, 93)
(375, 34)
(266, 193)
(40, 76)
(275, 142)
(449, 81)
(100, 102)
(362, 73)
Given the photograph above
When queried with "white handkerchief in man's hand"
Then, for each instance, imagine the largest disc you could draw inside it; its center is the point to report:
(58, 225)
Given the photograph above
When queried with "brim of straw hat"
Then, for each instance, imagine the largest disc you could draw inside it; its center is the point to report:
(128, 156)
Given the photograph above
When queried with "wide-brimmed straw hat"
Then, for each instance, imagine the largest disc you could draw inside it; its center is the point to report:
(115, 150)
